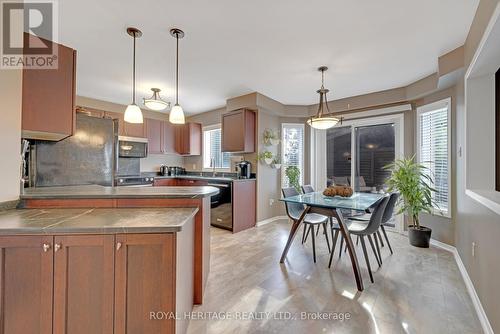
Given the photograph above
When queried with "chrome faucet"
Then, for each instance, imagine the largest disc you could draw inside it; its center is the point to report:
(212, 162)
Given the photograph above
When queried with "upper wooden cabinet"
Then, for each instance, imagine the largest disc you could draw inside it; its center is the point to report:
(48, 101)
(238, 131)
(128, 129)
(188, 139)
(160, 136)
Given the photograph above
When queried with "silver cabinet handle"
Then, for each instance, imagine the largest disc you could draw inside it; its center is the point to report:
(46, 247)
(118, 245)
(57, 247)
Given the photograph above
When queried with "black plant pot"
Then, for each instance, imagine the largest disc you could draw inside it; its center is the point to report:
(419, 237)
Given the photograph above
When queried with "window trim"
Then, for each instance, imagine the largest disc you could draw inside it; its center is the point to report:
(282, 147)
(217, 126)
(444, 103)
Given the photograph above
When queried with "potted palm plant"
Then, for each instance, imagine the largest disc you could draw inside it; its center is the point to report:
(412, 181)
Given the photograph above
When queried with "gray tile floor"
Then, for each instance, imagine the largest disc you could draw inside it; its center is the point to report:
(415, 290)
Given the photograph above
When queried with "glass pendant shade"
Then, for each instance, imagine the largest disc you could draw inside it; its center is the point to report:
(155, 102)
(177, 115)
(322, 123)
(133, 114)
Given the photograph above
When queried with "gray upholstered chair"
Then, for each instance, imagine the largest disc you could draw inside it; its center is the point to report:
(294, 210)
(363, 229)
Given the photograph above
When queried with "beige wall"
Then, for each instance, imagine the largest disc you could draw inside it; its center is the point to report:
(474, 222)
(10, 129)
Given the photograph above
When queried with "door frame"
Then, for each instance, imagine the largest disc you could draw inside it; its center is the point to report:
(399, 142)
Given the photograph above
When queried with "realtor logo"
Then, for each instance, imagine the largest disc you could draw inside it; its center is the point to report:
(28, 29)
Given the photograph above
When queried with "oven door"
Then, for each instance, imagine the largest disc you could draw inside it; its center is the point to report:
(221, 213)
(129, 147)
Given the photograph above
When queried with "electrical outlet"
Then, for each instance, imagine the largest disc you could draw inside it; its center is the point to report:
(271, 201)
(473, 249)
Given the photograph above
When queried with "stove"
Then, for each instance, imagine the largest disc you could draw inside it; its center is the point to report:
(134, 181)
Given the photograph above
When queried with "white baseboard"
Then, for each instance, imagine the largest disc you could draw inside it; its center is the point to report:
(270, 220)
(485, 324)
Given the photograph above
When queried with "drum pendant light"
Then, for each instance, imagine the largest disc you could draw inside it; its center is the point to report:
(177, 114)
(133, 113)
(321, 121)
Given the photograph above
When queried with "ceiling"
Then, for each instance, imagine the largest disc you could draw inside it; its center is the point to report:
(233, 47)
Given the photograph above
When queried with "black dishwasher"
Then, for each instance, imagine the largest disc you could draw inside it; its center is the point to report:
(221, 213)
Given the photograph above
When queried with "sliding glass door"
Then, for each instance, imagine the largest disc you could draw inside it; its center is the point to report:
(358, 151)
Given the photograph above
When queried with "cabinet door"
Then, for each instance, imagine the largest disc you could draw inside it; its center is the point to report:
(238, 131)
(194, 138)
(144, 282)
(26, 280)
(48, 101)
(181, 141)
(168, 137)
(188, 139)
(154, 131)
(135, 130)
(182, 182)
(165, 182)
(83, 284)
(119, 117)
(233, 132)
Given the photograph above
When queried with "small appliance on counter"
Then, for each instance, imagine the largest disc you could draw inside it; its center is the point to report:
(164, 170)
(174, 171)
(244, 169)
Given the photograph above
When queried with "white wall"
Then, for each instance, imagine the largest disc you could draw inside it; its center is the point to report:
(10, 130)
(153, 161)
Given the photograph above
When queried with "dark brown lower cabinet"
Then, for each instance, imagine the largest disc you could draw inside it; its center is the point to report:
(83, 284)
(145, 283)
(26, 284)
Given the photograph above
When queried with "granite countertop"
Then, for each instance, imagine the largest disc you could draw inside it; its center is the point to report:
(203, 178)
(96, 191)
(94, 221)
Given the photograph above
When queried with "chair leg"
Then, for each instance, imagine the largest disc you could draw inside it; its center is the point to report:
(373, 249)
(377, 246)
(304, 233)
(366, 258)
(326, 236)
(313, 242)
(341, 245)
(380, 238)
(386, 238)
(334, 243)
(308, 229)
(317, 231)
(357, 240)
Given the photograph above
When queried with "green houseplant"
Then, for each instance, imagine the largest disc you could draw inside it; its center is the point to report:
(412, 181)
(293, 175)
(266, 157)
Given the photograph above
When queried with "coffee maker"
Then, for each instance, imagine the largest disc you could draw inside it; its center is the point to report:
(244, 169)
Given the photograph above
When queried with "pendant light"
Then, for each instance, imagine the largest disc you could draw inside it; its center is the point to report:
(133, 113)
(321, 121)
(155, 102)
(177, 114)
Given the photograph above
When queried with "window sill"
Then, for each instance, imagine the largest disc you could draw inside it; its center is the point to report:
(488, 198)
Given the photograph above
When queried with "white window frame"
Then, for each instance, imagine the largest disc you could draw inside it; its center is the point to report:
(208, 128)
(302, 165)
(445, 103)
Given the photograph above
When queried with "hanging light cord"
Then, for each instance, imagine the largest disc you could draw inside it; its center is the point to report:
(133, 75)
(177, 71)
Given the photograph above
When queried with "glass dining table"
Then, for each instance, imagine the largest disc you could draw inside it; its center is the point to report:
(316, 202)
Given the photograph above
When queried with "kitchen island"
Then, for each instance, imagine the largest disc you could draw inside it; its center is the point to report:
(140, 250)
(97, 270)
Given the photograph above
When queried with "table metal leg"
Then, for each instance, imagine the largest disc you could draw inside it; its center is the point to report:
(293, 231)
(350, 248)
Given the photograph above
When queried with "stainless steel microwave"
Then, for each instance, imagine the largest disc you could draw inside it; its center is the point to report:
(131, 147)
